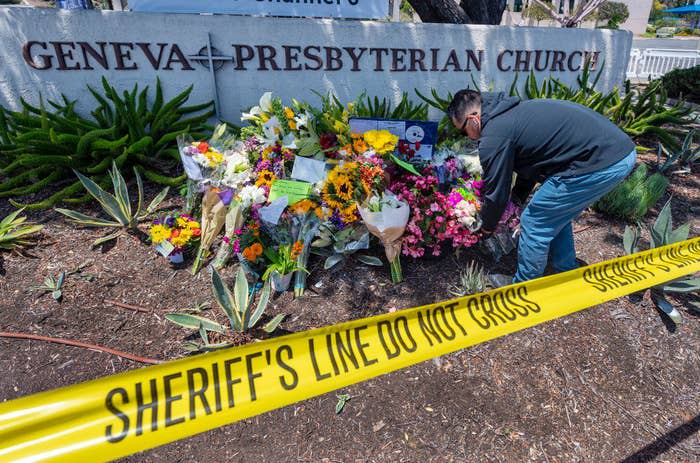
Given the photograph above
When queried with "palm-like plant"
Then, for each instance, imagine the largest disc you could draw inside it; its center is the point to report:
(238, 307)
(661, 234)
(14, 230)
(116, 206)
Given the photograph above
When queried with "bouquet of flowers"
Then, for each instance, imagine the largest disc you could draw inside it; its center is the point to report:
(172, 234)
(283, 264)
(386, 218)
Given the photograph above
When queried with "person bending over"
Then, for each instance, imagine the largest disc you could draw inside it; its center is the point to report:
(575, 153)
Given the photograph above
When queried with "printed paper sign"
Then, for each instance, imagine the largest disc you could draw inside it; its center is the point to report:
(295, 191)
(308, 169)
(419, 136)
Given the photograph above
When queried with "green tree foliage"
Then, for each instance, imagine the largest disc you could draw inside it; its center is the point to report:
(615, 13)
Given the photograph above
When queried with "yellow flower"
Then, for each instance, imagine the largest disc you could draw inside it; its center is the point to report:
(303, 206)
(292, 124)
(289, 113)
(181, 223)
(351, 106)
(193, 225)
(264, 117)
(382, 141)
(343, 188)
(265, 177)
(339, 127)
(159, 233)
(182, 239)
(349, 214)
(360, 146)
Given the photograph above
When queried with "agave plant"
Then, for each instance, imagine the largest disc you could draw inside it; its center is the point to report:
(14, 230)
(684, 157)
(238, 307)
(116, 206)
(472, 280)
(661, 234)
(52, 285)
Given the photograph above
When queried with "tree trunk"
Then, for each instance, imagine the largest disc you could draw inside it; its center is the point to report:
(466, 12)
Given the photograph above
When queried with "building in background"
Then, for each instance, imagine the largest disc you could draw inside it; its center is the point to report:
(637, 21)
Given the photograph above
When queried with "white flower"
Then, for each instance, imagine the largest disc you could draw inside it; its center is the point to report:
(264, 106)
(471, 164)
(467, 215)
(302, 120)
(251, 194)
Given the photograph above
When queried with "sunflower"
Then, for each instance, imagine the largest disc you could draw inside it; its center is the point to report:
(359, 145)
(265, 177)
(343, 188)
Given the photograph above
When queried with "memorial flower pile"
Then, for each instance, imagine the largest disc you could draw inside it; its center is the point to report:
(171, 235)
(298, 179)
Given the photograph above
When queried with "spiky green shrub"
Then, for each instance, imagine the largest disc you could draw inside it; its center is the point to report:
(14, 231)
(238, 307)
(661, 233)
(116, 206)
(683, 83)
(682, 160)
(472, 280)
(631, 199)
(39, 146)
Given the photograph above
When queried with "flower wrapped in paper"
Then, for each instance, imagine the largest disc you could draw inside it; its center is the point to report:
(386, 218)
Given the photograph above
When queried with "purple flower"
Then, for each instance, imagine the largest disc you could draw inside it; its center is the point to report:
(170, 221)
(225, 196)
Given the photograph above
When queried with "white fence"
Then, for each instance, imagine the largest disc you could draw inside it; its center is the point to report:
(654, 62)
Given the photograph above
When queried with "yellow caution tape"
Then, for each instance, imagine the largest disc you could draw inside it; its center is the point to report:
(119, 415)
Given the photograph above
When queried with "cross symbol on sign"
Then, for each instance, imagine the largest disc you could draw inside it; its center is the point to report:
(216, 59)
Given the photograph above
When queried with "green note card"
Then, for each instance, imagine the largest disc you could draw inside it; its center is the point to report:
(293, 190)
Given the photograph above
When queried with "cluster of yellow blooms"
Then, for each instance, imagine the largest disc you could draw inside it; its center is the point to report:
(382, 141)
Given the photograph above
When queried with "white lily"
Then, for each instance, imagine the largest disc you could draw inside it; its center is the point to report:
(264, 106)
(301, 120)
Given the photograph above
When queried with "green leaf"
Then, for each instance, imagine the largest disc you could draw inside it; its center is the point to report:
(679, 234)
(61, 279)
(369, 260)
(139, 188)
(121, 192)
(663, 224)
(683, 286)
(57, 294)
(342, 400)
(260, 309)
(332, 261)
(194, 322)
(406, 165)
(242, 295)
(157, 200)
(225, 300)
(274, 323)
(629, 239)
(667, 308)
(109, 203)
(83, 219)
(107, 238)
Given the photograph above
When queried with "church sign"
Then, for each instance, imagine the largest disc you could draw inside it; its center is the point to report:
(234, 59)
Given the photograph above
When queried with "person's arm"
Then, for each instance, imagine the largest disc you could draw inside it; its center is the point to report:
(521, 190)
(496, 155)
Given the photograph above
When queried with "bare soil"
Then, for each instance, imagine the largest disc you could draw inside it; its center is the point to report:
(616, 382)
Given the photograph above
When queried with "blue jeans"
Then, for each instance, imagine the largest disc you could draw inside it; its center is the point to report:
(545, 224)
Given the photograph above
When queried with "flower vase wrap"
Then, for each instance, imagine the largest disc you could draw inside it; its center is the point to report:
(308, 226)
(234, 221)
(213, 218)
(281, 283)
(388, 224)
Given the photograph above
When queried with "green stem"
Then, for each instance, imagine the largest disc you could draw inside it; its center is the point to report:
(396, 272)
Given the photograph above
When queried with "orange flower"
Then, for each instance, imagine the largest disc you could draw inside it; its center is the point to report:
(202, 147)
(249, 254)
(303, 206)
(297, 247)
(257, 249)
(359, 145)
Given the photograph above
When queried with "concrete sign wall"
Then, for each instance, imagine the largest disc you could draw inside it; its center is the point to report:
(364, 9)
(235, 58)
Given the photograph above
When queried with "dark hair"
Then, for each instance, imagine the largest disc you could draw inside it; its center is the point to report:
(464, 102)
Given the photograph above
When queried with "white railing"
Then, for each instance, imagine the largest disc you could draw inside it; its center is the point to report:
(654, 62)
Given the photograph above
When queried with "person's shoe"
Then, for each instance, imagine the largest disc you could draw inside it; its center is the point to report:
(499, 280)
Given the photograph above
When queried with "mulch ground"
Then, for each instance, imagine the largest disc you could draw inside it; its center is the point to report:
(616, 382)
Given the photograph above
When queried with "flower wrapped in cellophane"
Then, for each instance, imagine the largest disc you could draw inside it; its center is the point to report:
(386, 217)
(171, 235)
